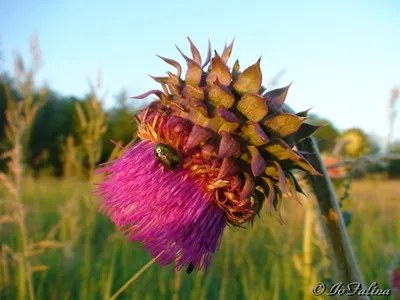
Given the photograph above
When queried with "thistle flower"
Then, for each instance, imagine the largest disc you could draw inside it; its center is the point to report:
(214, 148)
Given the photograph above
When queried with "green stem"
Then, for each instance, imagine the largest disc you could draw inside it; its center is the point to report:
(334, 227)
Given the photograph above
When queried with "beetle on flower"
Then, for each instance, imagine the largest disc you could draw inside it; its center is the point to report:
(214, 147)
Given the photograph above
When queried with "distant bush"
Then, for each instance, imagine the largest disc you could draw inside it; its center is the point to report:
(394, 165)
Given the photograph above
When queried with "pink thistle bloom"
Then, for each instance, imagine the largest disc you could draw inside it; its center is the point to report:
(146, 200)
(214, 148)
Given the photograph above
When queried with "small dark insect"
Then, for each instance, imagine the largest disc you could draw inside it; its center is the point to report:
(166, 155)
(190, 268)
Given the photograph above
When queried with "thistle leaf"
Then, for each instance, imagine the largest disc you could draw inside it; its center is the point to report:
(258, 163)
(218, 70)
(236, 70)
(280, 175)
(190, 91)
(228, 146)
(152, 92)
(227, 120)
(278, 204)
(227, 52)
(193, 73)
(283, 124)
(248, 187)
(199, 106)
(221, 95)
(173, 63)
(268, 187)
(250, 80)
(306, 130)
(197, 136)
(208, 57)
(260, 199)
(253, 106)
(277, 97)
(208, 151)
(292, 188)
(229, 167)
(195, 52)
(279, 150)
(306, 166)
(303, 113)
(254, 134)
(296, 183)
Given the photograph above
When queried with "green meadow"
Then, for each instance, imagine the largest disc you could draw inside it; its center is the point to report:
(74, 252)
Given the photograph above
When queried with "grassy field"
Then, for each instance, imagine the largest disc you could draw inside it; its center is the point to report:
(76, 253)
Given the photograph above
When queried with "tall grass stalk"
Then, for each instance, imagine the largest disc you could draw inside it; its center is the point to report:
(20, 115)
(92, 126)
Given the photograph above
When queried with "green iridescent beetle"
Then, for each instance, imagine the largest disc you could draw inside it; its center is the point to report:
(166, 155)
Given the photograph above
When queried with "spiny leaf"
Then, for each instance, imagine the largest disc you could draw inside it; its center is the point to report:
(296, 183)
(248, 187)
(303, 113)
(226, 120)
(277, 97)
(152, 92)
(193, 92)
(235, 70)
(283, 124)
(195, 52)
(258, 163)
(260, 199)
(292, 188)
(279, 150)
(193, 73)
(173, 63)
(197, 136)
(305, 165)
(253, 106)
(218, 70)
(304, 131)
(227, 52)
(221, 95)
(199, 106)
(208, 57)
(254, 134)
(228, 146)
(280, 175)
(229, 167)
(250, 80)
(268, 187)
(278, 204)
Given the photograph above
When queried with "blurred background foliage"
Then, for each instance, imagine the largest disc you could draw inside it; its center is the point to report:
(57, 123)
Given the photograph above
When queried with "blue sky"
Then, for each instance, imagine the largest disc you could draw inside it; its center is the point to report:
(342, 56)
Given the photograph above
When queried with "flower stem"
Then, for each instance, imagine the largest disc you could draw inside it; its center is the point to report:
(132, 279)
(334, 227)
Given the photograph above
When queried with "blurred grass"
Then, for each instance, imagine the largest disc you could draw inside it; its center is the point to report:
(86, 258)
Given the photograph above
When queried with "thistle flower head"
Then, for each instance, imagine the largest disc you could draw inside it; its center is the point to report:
(214, 148)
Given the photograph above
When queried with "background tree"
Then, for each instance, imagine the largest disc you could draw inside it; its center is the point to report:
(121, 125)
(326, 136)
(358, 143)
